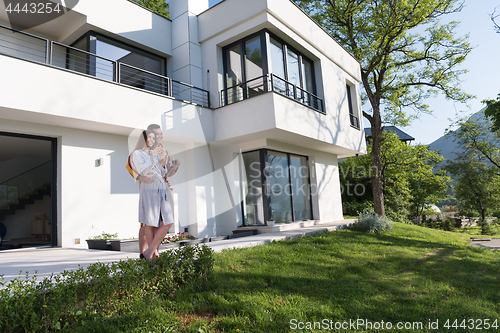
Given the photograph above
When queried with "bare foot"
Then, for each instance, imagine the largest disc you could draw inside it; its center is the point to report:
(149, 255)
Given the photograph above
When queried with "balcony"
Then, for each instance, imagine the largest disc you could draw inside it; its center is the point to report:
(267, 83)
(30, 47)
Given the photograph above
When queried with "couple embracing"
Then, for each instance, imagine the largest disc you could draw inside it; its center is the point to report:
(150, 164)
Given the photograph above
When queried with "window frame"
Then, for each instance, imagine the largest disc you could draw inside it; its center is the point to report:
(265, 40)
(351, 105)
(91, 47)
(265, 188)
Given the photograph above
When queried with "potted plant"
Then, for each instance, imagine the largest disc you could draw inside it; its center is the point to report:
(125, 245)
(270, 223)
(101, 242)
(171, 241)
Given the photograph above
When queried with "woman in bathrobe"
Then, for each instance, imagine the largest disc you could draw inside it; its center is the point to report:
(155, 211)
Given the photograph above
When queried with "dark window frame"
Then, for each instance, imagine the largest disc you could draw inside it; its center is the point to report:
(91, 47)
(264, 153)
(53, 179)
(351, 108)
(265, 39)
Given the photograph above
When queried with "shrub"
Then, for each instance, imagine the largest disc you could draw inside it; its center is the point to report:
(72, 298)
(372, 222)
(485, 227)
(354, 208)
(105, 236)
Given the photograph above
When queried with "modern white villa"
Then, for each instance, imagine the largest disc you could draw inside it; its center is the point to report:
(255, 100)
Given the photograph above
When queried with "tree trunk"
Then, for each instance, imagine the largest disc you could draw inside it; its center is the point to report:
(378, 186)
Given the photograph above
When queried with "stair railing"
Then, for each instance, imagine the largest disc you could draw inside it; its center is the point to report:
(21, 185)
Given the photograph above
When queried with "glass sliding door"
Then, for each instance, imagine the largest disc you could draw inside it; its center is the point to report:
(277, 187)
(234, 74)
(253, 67)
(253, 212)
(307, 80)
(293, 71)
(278, 178)
(299, 172)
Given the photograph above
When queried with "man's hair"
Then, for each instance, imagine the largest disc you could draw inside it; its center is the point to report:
(153, 127)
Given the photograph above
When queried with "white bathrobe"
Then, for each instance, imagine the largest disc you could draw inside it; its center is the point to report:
(153, 198)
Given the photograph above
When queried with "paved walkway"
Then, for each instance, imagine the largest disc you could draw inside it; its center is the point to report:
(493, 244)
(46, 261)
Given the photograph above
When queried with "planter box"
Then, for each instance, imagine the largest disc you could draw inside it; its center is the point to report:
(99, 244)
(218, 238)
(126, 245)
(195, 241)
(168, 246)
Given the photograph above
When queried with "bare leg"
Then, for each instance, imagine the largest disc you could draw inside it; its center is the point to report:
(155, 241)
(142, 239)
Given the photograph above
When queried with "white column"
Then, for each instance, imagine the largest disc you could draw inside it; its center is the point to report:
(186, 50)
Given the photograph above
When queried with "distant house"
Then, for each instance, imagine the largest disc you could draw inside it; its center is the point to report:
(403, 136)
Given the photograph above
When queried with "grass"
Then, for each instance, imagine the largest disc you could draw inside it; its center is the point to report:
(412, 274)
(476, 231)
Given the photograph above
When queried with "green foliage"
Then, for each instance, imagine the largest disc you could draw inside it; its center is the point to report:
(478, 140)
(179, 237)
(105, 236)
(75, 298)
(485, 227)
(160, 7)
(402, 276)
(406, 54)
(369, 221)
(493, 113)
(477, 186)
(410, 183)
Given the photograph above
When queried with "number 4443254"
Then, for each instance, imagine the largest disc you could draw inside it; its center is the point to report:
(473, 324)
(34, 8)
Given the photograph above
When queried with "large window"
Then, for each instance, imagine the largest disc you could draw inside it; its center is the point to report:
(137, 68)
(277, 187)
(353, 118)
(248, 70)
(244, 69)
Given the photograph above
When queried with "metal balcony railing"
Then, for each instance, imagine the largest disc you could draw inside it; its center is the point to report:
(26, 46)
(266, 83)
(354, 121)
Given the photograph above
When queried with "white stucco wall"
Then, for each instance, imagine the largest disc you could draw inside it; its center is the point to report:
(91, 199)
(334, 68)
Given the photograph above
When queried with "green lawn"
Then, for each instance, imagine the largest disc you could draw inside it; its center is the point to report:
(412, 274)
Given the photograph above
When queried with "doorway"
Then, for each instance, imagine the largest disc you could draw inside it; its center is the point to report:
(27, 191)
(277, 187)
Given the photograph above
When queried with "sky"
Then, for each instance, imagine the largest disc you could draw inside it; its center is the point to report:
(482, 80)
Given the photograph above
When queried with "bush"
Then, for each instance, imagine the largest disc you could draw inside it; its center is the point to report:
(354, 208)
(370, 221)
(485, 227)
(74, 297)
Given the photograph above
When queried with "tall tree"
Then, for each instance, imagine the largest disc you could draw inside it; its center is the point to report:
(407, 56)
(477, 187)
(410, 183)
(476, 139)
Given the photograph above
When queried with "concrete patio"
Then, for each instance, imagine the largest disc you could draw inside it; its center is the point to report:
(46, 261)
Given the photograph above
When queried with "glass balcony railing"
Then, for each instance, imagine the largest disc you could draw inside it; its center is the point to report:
(266, 83)
(30, 47)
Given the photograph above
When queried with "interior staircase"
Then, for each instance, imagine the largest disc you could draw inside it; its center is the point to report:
(29, 199)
